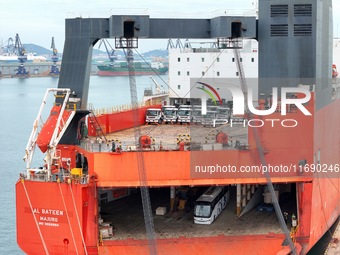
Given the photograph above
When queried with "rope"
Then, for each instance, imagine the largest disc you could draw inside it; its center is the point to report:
(81, 232)
(35, 219)
(68, 218)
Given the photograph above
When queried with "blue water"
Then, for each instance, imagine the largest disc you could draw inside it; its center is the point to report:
(19, 104)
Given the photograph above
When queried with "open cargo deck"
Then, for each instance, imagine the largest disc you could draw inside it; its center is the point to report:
(168, 137)
(127, 219)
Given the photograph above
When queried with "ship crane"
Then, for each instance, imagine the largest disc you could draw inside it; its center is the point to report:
(22, 57)
(109, 50)
(47, 134)
(54, 68)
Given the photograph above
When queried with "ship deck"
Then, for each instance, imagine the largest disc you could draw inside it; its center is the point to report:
(126, 217)
(196, 137)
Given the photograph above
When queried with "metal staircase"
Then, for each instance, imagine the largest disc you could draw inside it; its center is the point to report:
(94, 121)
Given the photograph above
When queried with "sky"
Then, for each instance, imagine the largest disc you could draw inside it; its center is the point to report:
(37, 21)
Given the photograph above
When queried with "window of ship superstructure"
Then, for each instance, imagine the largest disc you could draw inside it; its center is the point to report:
(218, 59)
(240, 59)
(236, 73)
(179, 72)
(252, 59)
(179, 59)
(188, 59)
(203, 73)
(178, 86)
(188, 73)
(233, 59)
(218, 73)
(202, 59)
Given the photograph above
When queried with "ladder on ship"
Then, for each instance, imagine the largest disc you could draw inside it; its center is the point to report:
(94, 121)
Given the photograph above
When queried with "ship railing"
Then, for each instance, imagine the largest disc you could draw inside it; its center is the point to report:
(115, 109)
(93, 146)
(289, 108)
(37, 174)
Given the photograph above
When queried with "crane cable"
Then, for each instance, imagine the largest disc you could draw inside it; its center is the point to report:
(35, 219)
(147, 211)
(169, 85)
(261, 153)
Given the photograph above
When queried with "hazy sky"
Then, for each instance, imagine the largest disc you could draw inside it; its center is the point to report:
(37, 21)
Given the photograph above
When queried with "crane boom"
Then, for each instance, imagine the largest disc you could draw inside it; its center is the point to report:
(20, 49)
(54, 51)
(54, 68)
(109, 50)
(22, 57)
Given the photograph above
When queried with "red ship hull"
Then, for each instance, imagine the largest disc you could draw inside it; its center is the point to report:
(78, 230)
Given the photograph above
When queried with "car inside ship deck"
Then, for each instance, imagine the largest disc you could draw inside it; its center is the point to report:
(125, 214)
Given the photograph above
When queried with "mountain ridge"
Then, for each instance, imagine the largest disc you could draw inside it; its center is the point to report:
(39, 50)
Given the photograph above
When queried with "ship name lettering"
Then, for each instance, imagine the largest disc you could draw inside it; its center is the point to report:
(49, 219)
(52, 212)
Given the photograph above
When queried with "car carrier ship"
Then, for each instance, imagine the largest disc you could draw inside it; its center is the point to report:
(123, 187)
(121, 69)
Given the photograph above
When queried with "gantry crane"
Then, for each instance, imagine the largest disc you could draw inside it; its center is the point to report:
(54, 68)
(22, 57)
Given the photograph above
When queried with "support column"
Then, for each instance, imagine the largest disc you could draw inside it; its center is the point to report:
(238, 199)
(252, 189)
(172, 197)
(248, 192)
(244, 196)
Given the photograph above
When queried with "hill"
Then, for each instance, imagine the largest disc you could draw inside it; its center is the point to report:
(38, 50)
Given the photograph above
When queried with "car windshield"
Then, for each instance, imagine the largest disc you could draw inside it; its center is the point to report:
(202, 210)
(152, 113)
(183, 112)
(169, 112)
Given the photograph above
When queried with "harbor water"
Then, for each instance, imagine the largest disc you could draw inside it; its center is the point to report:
(20, 100)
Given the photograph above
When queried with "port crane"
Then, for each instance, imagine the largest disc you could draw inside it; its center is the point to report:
(22, 57)
(109, 50)
(9, 48)
(54, 68)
